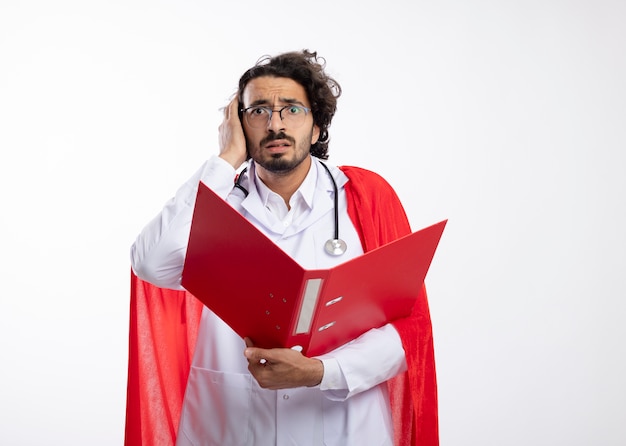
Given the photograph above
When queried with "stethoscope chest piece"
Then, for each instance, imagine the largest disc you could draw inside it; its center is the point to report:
(335, 247)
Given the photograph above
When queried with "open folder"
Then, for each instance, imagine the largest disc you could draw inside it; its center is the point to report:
(264, 294)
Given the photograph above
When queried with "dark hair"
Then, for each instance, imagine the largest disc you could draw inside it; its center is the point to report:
(307, 69)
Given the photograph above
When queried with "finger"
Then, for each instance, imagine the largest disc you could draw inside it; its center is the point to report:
(251, 354)
(254, 354)
(231, 109)
(234, 103)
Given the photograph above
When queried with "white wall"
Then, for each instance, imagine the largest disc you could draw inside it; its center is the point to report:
(508, 118)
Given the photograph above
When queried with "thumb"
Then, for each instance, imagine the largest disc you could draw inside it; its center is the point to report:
(253, 353)
(256, 354)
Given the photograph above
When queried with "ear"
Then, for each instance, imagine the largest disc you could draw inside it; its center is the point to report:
(315, 134)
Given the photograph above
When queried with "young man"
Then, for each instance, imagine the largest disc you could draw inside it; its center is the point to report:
(379, 389)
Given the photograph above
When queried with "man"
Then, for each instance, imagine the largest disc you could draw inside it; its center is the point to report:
(376, 390)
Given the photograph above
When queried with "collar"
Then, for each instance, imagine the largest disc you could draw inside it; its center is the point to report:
(313, 198)
(303, 196)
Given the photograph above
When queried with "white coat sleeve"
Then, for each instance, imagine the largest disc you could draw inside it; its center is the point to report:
(158, 254)
(371, 359)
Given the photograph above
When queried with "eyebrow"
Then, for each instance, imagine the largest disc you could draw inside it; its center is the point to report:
(285, 100)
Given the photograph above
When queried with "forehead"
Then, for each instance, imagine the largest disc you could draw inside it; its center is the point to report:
(273, 90)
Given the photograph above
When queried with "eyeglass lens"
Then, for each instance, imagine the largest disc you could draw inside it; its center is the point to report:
(292, 115)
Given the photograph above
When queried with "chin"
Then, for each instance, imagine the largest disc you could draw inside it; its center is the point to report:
(280, 163)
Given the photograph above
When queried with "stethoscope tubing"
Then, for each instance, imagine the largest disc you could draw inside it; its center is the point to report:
(334, 246)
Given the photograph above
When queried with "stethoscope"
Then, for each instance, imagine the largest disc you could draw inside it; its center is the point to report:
(334, 246)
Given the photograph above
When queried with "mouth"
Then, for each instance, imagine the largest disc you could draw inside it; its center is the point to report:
(277, 145)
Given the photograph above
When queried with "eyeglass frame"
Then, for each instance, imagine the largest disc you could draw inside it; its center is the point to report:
(271, 110)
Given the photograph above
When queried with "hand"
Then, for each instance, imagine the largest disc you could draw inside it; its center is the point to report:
(231, 137)
(282, 368)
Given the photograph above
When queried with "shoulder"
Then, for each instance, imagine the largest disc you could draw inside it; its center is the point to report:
(374, 207)
(366, 180)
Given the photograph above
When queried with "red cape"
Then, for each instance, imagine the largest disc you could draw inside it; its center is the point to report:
(164, 328)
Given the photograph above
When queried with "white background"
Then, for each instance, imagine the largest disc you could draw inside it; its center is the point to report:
(506, 117)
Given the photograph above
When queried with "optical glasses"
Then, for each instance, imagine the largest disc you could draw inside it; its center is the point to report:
(259, 117)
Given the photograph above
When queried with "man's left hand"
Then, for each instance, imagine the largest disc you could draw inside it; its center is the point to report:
(282, 368)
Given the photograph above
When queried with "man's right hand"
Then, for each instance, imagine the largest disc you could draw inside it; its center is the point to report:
(231, 138)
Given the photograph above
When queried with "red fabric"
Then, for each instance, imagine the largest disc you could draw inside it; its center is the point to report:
(379, 217)
(164, 325)
(163, 331)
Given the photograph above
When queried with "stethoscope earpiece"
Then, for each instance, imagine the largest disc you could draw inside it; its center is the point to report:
(334, 246)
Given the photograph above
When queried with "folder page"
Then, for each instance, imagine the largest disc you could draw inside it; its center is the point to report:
(240, 274)
(373, 289)
(264, 294)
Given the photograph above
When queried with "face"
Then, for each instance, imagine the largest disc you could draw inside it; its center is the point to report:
(276, 147)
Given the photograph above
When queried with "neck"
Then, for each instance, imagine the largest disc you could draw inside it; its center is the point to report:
(287, 183)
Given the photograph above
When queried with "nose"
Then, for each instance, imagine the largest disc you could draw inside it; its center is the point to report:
(275, 123)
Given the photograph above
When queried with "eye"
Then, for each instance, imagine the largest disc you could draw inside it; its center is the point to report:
(294, 110)
(257, 111)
